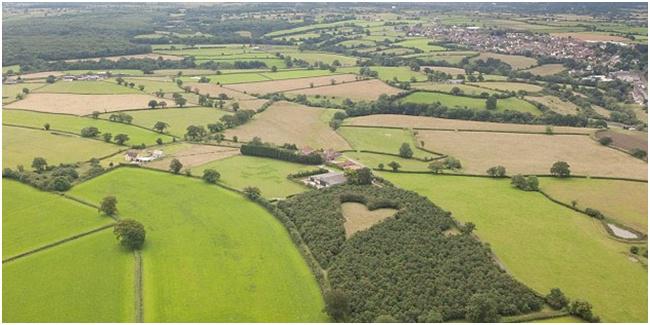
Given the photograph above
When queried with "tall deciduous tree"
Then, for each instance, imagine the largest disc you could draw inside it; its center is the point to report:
(130, 233)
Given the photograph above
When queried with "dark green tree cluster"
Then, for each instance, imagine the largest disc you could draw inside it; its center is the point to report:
(404, 268)
(130, 233)
(271, 151)
(525, 183)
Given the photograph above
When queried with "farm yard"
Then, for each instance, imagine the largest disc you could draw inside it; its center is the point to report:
(533, 153)
(285, 122)
(312, 163)
(81, 104)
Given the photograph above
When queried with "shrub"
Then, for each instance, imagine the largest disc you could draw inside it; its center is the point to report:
(108, 205)
(560, 169)
(482, 308)
(89, 132)
(496, 171)
(639, 153)
(583, 310)
(556, 299)
(405, 151)
(524, 183)
(175, 166)
(361, 176)
(594, 213)
(262, 150)
(252, 192)
(605, 141)
(211, 176)
(60, 184)
(130, 233)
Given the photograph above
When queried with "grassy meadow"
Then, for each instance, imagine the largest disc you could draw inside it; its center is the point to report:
(177, 118)
(269, 175)
(74, 124)
(511, 103)
(562, 248)
(87, 280)
(33, 218)
(220, 258)
(20, 146)
(380, 139)
(87, 87)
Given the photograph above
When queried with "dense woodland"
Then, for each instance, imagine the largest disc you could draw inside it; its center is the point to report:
(406, 268)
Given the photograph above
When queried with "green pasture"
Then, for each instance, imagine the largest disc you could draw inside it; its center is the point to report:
(269, 175)
(152, 85)
(543, 244)
(291, 74)
(447, 87)
(129, 72)
(508, 86)
(20, 146)
(9, 92)
(177, 118)
(211, 255)
(270, 62)
(390, 73)
(511, 103)
(87, 280)
(372, 160)
(15, 68)
(623, 201)
(87, 87)
(421, 44)
(329, 58)
(33, 218)
(358, 43)
(74, 124)
(380, 139)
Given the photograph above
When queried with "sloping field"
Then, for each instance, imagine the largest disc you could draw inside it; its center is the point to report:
(41, 75)
(9, 92)
(533, 153)
(360, 90)
(515, 61)
(192, 155)
(87, 87)
(556, 104)
(74, 124)
(269, 175)
(177, 118)
(510, 103)
(372, 160)
(265, 87)
(329, 58)
(214, 90)
(239, 266)
(508, 86)
(408, 121)
(447, 87)
(543, 244)
(547, 69)
(20, 146)
(285, 122)
(81, 104)
(381, 140)
(359, 218)
(420, 43)
(86, 280)
(623, 201)
(626, 139)
(33, 218)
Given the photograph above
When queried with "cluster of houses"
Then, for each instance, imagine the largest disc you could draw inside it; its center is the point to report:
(87, 77)
(142, 157)
(333, 177)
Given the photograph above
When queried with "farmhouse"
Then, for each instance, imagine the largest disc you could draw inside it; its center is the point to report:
(325, 180)
(134, 157)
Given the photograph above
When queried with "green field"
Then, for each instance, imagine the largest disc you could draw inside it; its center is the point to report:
(372, 160)
(447, 87)
(153, 85)
(270, 62)
(9, 92)
(32, 218)
(177, 118)
(20, 146)
(269, 175)
(74, 124)
(420, 43)
(87, 280)
(390, 73)
(291, 74)
(511, 103)
(230, 78)
(381, 140)
(15, 68)
(623, 201)
(329, 58)
(87, 87)
(509, 86)
(211, 255)
(543, 244)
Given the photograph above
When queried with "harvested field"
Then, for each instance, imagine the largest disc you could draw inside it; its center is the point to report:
(192, 155)
(533, 153)
(625, 139)
(515, 61)
(359, 218)
(623, 201)
(556, 104)
(508, 86)
(266, 87)
(214, 90)
(391, 73)
(153, 84)
(81, 104)
(547, 69)
(360, 90)
(285, 122)
(408, 121)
